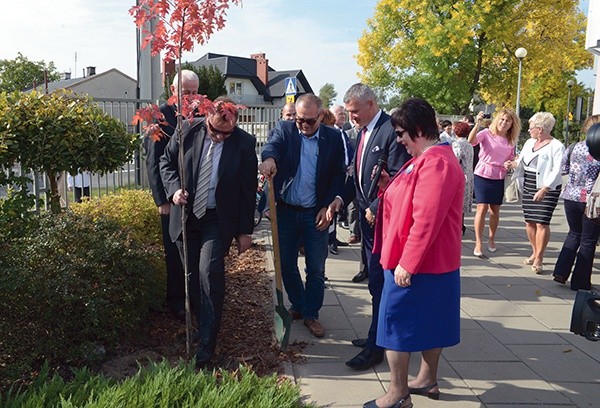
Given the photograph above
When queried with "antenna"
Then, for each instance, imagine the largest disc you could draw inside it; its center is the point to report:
(75, 70)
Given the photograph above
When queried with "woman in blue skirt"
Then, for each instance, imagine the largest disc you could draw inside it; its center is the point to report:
(418, 234)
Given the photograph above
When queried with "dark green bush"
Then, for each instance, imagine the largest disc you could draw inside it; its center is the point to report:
(69, 289)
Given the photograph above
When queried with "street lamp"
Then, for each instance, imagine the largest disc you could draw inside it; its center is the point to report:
(570, 83)
(520, 53)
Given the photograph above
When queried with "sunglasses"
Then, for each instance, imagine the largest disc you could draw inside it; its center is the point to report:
(399, 133)
(218, 132)
(309, 122)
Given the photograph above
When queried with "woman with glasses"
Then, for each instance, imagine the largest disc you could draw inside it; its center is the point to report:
(417, 234)
(540, 164)
(497, 145)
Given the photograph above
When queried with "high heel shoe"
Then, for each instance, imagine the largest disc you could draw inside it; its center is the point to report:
(528, 261)
(426, 391)
(399, 404)
(537, 269)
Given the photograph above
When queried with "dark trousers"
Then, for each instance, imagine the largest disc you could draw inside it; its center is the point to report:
(375, 277)
(579, 247)
(175, 274)
(353, 224)
(206, 266)
(81, 192)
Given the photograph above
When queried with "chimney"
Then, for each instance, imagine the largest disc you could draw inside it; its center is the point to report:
(65, 75)
(262, 67)
(168, 72)
(90, 71)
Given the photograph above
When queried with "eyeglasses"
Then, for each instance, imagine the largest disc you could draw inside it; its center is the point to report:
(309, 122)
(218, 132)
(399, 133)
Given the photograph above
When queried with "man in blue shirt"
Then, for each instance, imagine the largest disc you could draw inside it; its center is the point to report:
(306, 161)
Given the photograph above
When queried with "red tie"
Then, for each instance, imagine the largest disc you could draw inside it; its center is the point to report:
(359, 151)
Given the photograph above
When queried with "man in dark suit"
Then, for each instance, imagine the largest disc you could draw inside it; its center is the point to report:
(155, 149)
(340, 123)
(377, 140)
(306, 161)
(220, 168)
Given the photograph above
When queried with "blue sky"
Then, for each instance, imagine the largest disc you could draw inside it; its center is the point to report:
(317, 36)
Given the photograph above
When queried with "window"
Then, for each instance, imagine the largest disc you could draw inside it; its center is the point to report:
(235, 88)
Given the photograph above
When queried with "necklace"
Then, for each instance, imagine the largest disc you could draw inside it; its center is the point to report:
(427, 148)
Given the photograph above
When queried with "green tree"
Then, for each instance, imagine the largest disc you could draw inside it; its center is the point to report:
(327, 94)
(61, 132)
(211, 81)
(450, 52)
(20, 73)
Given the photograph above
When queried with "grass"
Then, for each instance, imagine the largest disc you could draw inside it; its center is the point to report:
(158, 385)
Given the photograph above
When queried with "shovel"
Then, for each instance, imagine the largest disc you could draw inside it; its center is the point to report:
(283, 318)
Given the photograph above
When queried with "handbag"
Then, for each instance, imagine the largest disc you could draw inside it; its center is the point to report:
(512, 194)
(592, 205)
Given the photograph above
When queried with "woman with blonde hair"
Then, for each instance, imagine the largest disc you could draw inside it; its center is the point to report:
(497, 146)
(540, 163)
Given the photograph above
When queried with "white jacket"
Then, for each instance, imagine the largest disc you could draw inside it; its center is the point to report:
(548, 171)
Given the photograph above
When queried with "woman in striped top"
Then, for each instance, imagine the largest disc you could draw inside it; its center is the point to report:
(540, 163)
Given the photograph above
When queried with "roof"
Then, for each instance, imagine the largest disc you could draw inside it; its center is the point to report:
(70, 83)
(241, 67)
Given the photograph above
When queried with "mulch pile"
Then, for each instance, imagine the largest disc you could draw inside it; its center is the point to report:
(246, 335)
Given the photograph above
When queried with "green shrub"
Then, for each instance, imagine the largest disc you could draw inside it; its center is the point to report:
(158, 385)
(132, 209)
(71, 288)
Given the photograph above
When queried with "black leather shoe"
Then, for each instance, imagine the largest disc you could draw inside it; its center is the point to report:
(341, 243)
(365, 359)
(333, 249)
(359, 343)
(361, 276)
(203, 357)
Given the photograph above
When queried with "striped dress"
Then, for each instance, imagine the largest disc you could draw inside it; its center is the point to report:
(539, 212)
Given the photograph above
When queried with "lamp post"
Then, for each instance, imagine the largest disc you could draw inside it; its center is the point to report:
(520, 53)
(570, 83)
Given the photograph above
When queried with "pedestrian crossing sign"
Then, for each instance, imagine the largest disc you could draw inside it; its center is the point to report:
(290, 86)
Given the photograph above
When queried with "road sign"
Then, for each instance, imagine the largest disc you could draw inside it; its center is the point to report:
(290, 98)
(290, 86)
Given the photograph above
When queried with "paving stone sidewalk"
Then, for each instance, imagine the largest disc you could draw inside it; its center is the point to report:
(516, 349)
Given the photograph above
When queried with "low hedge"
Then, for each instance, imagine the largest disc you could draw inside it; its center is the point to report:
(70, 288)
(159, 385)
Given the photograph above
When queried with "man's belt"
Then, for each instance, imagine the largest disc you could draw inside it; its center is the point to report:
(294, 207)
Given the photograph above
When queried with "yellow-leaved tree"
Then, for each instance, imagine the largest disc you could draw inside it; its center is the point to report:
(451, 52)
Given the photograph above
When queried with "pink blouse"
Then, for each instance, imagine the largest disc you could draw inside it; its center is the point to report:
(494, 151)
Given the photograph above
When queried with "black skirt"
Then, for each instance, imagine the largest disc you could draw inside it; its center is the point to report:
(488, 191)
(539, 212)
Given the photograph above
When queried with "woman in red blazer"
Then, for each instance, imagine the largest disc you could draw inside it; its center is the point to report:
(418, 234)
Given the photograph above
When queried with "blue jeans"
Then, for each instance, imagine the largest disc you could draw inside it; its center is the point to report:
(297, 227)
(579, 247)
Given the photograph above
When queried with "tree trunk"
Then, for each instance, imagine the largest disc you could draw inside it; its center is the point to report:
(53, 196)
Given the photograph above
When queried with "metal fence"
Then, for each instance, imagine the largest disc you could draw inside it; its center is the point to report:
(255, 120)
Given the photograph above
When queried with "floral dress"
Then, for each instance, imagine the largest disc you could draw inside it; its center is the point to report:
(464, 153)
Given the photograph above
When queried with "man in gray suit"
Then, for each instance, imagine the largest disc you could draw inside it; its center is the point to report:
(377, 140)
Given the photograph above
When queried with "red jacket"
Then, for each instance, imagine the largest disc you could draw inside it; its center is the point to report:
(419, 220)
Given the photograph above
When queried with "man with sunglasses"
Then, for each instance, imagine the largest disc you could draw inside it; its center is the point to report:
(220, 168)
(306, 161)
(376, 141)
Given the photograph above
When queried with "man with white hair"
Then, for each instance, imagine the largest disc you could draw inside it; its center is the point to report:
(175, 276)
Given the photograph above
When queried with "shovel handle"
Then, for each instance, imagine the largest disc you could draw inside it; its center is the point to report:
(275, 234)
